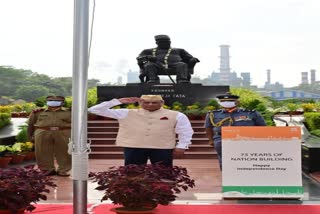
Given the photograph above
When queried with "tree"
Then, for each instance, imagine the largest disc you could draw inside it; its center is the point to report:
(11, 78)
(31, 92)
(13, 82)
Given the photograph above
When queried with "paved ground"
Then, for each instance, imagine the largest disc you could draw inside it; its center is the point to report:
(207, 191)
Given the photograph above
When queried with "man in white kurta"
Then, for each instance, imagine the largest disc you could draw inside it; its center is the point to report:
(148, 132)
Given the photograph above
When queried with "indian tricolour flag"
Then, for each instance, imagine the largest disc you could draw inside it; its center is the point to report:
(261, 162)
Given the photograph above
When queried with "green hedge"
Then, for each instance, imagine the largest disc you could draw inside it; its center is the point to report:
(316, 132)
(4, 119)
(312, 120)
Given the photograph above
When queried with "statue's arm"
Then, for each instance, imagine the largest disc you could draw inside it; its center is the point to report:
(142, 57)
(188, 58)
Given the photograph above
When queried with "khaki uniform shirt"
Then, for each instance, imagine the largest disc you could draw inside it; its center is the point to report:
(48, 119)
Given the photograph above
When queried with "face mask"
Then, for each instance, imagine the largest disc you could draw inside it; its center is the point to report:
(54, 103)
(228, 104)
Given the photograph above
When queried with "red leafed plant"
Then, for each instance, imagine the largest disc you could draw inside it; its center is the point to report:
(19, 187)
(135, 186)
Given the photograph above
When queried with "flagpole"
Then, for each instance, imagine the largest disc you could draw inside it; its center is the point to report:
(78, 145)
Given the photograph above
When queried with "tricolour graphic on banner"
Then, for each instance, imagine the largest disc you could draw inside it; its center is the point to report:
(261, 162)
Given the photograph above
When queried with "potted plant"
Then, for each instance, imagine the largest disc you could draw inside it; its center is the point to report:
(4, 161)
(292, 108)
(193, 114)
(20, 187)
(141, 187)
(15, 152)
(28, 150)
(177, 106)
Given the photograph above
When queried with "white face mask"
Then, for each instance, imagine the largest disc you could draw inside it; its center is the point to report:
(54, 103)
(228, 104)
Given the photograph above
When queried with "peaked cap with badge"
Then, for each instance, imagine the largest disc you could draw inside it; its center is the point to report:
(55, 98)
(227, 97)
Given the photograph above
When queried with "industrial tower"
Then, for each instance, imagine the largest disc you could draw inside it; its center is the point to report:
(224, 63)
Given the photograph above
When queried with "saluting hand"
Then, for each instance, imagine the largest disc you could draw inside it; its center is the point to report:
(127, 100)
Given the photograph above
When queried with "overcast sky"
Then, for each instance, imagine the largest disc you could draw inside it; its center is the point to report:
(281, 35)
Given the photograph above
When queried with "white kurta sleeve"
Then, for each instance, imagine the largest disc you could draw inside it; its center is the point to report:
(184, 131)
(104, 109)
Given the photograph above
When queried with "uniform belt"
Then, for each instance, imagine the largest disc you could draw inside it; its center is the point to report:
(53, 128)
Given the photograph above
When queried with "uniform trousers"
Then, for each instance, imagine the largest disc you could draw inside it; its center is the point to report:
(50, 145)
(141, 156)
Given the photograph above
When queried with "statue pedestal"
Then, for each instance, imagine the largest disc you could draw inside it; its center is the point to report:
(187, 93)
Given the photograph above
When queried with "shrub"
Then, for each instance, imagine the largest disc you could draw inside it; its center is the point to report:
(135, 186)
(92, 97)
(19, 187)
(312, 120)
(308, 107)
(40, 101)
(22, 135)
(4, 119)
(177, 106)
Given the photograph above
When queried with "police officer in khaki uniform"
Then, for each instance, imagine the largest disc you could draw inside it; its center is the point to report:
(50, 129)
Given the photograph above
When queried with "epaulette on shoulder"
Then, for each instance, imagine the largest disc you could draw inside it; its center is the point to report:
(67, 109)
(216, 110)
(38, 110)
(247, 110)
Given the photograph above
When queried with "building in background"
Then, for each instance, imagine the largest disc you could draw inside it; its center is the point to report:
(312, 76)
(133, 77)
(272, 86)
(304, 78)
(225, 76)
(286, 94)
(246, 79)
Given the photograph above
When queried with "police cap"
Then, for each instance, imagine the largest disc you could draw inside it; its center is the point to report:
(162, 37)
(227, 97)
(58, 98)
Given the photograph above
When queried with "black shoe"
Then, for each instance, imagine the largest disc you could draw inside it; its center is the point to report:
(63, 174)
(50, 173)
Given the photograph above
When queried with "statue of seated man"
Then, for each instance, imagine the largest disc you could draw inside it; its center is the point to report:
(164, 60)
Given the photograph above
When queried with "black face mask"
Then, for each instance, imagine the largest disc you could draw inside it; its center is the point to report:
(163, 44)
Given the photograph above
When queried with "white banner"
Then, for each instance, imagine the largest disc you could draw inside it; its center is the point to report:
(262, 162)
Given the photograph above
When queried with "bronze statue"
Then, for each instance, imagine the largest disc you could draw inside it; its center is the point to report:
(164, 60)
